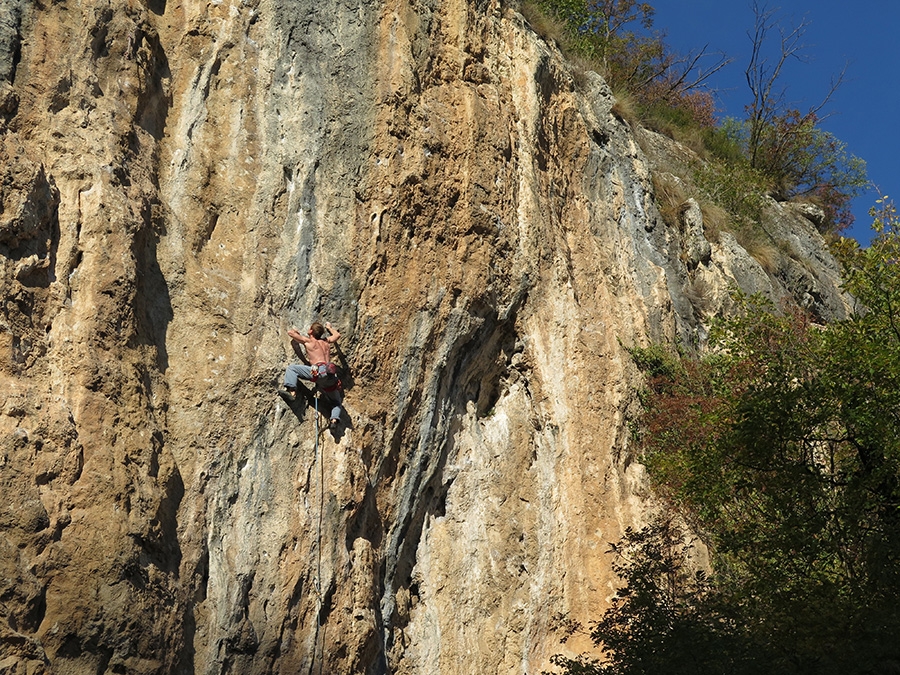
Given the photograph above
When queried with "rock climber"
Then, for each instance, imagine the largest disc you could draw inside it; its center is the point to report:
(322, 372)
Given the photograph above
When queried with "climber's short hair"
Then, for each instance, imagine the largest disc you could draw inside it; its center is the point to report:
(317, 330)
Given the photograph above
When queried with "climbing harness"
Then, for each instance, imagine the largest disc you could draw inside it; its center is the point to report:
(328, 373)
(323, 369)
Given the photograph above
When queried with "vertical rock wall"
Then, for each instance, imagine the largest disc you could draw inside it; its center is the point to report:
(181, 183)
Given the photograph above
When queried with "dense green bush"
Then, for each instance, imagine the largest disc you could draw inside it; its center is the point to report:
(735, 186)
(781, 449)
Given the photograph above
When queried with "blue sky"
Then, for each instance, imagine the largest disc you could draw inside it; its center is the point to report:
(863, 35)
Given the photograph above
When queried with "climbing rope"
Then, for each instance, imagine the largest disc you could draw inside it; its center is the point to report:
(319, 528)
(320, 646)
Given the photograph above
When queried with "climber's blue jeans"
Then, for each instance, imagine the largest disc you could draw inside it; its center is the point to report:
(297, 371)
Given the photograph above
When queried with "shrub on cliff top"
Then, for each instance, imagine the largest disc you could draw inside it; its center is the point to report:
(616, 37)
(787, 147)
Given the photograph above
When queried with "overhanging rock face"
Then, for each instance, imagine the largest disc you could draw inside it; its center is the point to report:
(181, 183)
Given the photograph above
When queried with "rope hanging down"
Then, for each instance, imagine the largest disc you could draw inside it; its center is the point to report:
(320, 646)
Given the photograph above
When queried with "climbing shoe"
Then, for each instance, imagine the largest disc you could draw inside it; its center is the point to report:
(288, 395)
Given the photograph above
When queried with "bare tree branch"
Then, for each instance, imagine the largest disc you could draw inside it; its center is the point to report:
(764, 77)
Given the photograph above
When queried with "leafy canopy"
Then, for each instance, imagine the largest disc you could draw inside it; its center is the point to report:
(781, 449)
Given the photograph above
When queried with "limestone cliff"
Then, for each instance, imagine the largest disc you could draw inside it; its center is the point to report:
(181, 183)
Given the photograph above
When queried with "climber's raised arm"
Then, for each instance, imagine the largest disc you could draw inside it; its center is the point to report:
(334, 335)
(297, 336)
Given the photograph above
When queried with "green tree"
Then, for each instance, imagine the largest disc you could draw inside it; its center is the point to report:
(782, 450)
(666, 618)
(786, 144)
